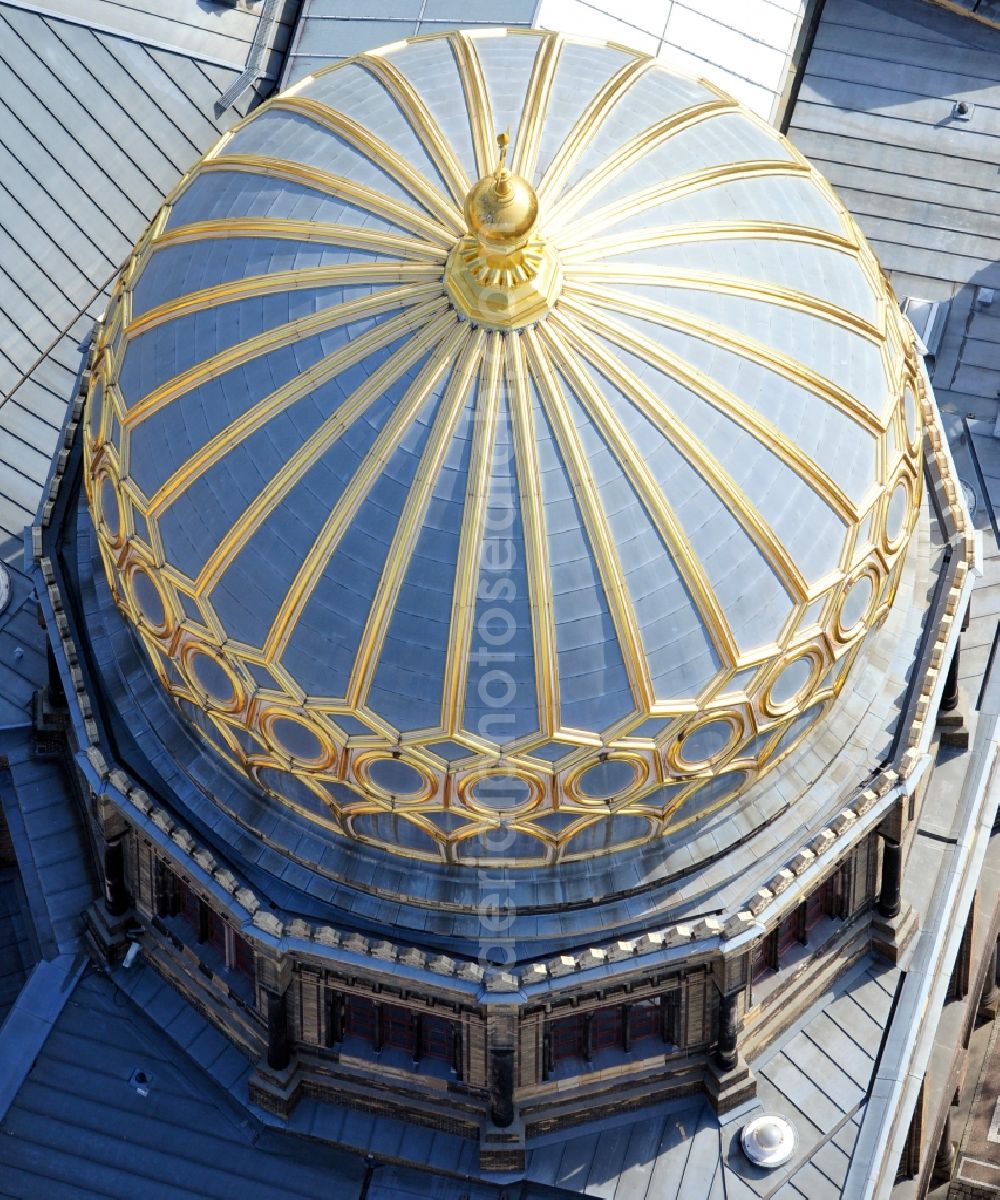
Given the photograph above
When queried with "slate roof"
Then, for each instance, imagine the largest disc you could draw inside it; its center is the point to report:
(875, 113)
(95, 126)
(17, 954)
(80, 1127)
(816, 1076)
(330, 30)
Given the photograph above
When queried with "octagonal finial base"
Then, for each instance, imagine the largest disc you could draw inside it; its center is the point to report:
(503, 291)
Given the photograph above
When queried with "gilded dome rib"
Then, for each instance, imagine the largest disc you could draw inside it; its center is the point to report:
(416, 300)
(477, 495)
(634, 204)
(588, 123)
(378, 152)
(705, 231)
(598, 273)
(334, 185)
(738, 343)
(477, 101)
(634, 468)
(345, 505)
(274, 492)
(536, 102)
(635, 149)
(747, 417)
(297, 388)
(594, 518)
(704, 462)
(535, 542)
(352, 237)
(276, 282)
(438, 149)
(455, 398)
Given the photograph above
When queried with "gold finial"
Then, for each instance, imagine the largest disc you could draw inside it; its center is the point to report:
(502, 274)
(501, 209)
(501, 176)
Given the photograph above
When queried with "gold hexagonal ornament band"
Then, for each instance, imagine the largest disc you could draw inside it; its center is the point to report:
(502, 275)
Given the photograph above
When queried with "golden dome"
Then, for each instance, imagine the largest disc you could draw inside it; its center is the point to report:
(597, 507)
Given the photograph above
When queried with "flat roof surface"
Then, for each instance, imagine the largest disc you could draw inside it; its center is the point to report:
(745, 48)
(98, 119)
(978, 1157)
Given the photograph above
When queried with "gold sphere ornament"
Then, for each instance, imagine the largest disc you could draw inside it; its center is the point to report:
(502, 208)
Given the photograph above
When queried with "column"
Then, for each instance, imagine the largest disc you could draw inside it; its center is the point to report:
(57, 697)
(726, 1053)
(547, 1062)
(115, 892)
(949, 697)
(588, 1036)
(991, 993)
(458, 1052)
(418, 1036)
(334, 1018)
(944, 1160)
(278, 1052)
(502, 1087)
(204, 921)
(889, 898)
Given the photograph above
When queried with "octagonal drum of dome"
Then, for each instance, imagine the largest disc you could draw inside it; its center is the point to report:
(563, 539)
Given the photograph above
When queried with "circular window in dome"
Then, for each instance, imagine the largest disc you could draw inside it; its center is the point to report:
(109, 508)
(212, 679)
(704, 744)
(614, 776)
(792, 684)
(148, 600)
(298, 740)
(896, 513)
(397, 778)
(499, 793)
(856, 604)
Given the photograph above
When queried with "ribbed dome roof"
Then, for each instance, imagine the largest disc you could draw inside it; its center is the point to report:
(585, 569)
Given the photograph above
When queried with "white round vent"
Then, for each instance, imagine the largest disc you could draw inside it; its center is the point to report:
(768, 1141)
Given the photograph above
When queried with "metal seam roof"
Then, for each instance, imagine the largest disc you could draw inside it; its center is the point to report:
(83, 109)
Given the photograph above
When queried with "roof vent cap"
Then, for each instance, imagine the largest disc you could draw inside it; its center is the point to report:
(768, 1141)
